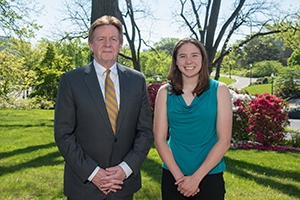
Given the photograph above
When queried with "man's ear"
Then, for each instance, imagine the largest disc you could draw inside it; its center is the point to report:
(120, 47)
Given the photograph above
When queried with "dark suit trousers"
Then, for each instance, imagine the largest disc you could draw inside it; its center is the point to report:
(111, 196)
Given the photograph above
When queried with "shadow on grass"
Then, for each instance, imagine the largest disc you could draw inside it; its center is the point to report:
(26, 150)
(152, 169)
(42, 124)
(47, 160)
(240, 168)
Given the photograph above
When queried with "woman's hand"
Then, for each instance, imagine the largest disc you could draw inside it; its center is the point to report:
(188, 186)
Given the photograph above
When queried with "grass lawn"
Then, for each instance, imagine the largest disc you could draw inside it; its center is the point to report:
(32, 168)
(258, 89)
(226, 80)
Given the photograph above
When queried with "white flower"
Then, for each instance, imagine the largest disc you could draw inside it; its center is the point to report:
(242, 97)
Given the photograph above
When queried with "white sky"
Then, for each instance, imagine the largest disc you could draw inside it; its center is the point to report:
(165, 27)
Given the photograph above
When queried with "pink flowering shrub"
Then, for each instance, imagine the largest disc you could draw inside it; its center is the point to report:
(267, 119)
(262, 119)
(240, 121)
(152, 92)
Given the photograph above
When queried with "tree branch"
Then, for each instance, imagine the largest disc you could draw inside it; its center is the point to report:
(226, 24)
(242, 43)
(186, 21)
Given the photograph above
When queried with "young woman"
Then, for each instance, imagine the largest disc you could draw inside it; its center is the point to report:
(197, 113)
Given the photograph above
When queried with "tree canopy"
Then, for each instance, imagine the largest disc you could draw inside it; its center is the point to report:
(16, 17)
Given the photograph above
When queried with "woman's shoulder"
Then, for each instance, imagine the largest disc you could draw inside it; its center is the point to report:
(223, 88)
(161, 93)
(217, 83)
(164, 87)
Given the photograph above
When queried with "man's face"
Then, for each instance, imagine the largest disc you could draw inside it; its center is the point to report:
(105, 45)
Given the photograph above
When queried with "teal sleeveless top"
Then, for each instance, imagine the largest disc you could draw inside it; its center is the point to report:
(192, 129)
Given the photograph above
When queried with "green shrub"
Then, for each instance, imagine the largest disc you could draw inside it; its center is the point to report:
(295, 141)
(265, 68)
(30, 103)
(287, 92)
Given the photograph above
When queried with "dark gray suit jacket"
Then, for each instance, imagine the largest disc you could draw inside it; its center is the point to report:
(84, 135)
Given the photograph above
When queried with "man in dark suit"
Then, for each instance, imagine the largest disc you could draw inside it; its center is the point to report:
(102, 161)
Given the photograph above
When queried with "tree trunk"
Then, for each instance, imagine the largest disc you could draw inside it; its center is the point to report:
(105, 7)
(211, 29)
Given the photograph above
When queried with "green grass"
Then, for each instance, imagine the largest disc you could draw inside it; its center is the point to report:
(226, 80)
(258, 89)
(32, 168)
(30, 164)
(262, 175)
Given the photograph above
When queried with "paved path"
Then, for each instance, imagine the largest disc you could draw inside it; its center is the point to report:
(241, 82)
(295, 124)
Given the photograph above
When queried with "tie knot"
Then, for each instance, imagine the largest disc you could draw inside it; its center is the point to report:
(107, 72)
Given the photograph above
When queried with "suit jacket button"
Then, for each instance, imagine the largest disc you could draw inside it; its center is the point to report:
(116, 139)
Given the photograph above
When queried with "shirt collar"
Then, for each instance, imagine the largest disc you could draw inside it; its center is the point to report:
(101, 70)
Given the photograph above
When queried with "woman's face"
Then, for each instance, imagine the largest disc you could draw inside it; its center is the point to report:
(189, 60)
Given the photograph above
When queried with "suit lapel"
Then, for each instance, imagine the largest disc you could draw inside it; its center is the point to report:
(124, 80)
(92, 84)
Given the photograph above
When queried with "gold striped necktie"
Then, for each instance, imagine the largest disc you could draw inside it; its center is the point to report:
(111, 101)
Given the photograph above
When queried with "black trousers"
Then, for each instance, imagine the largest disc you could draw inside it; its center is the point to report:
(111, 196)
(212, 187)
